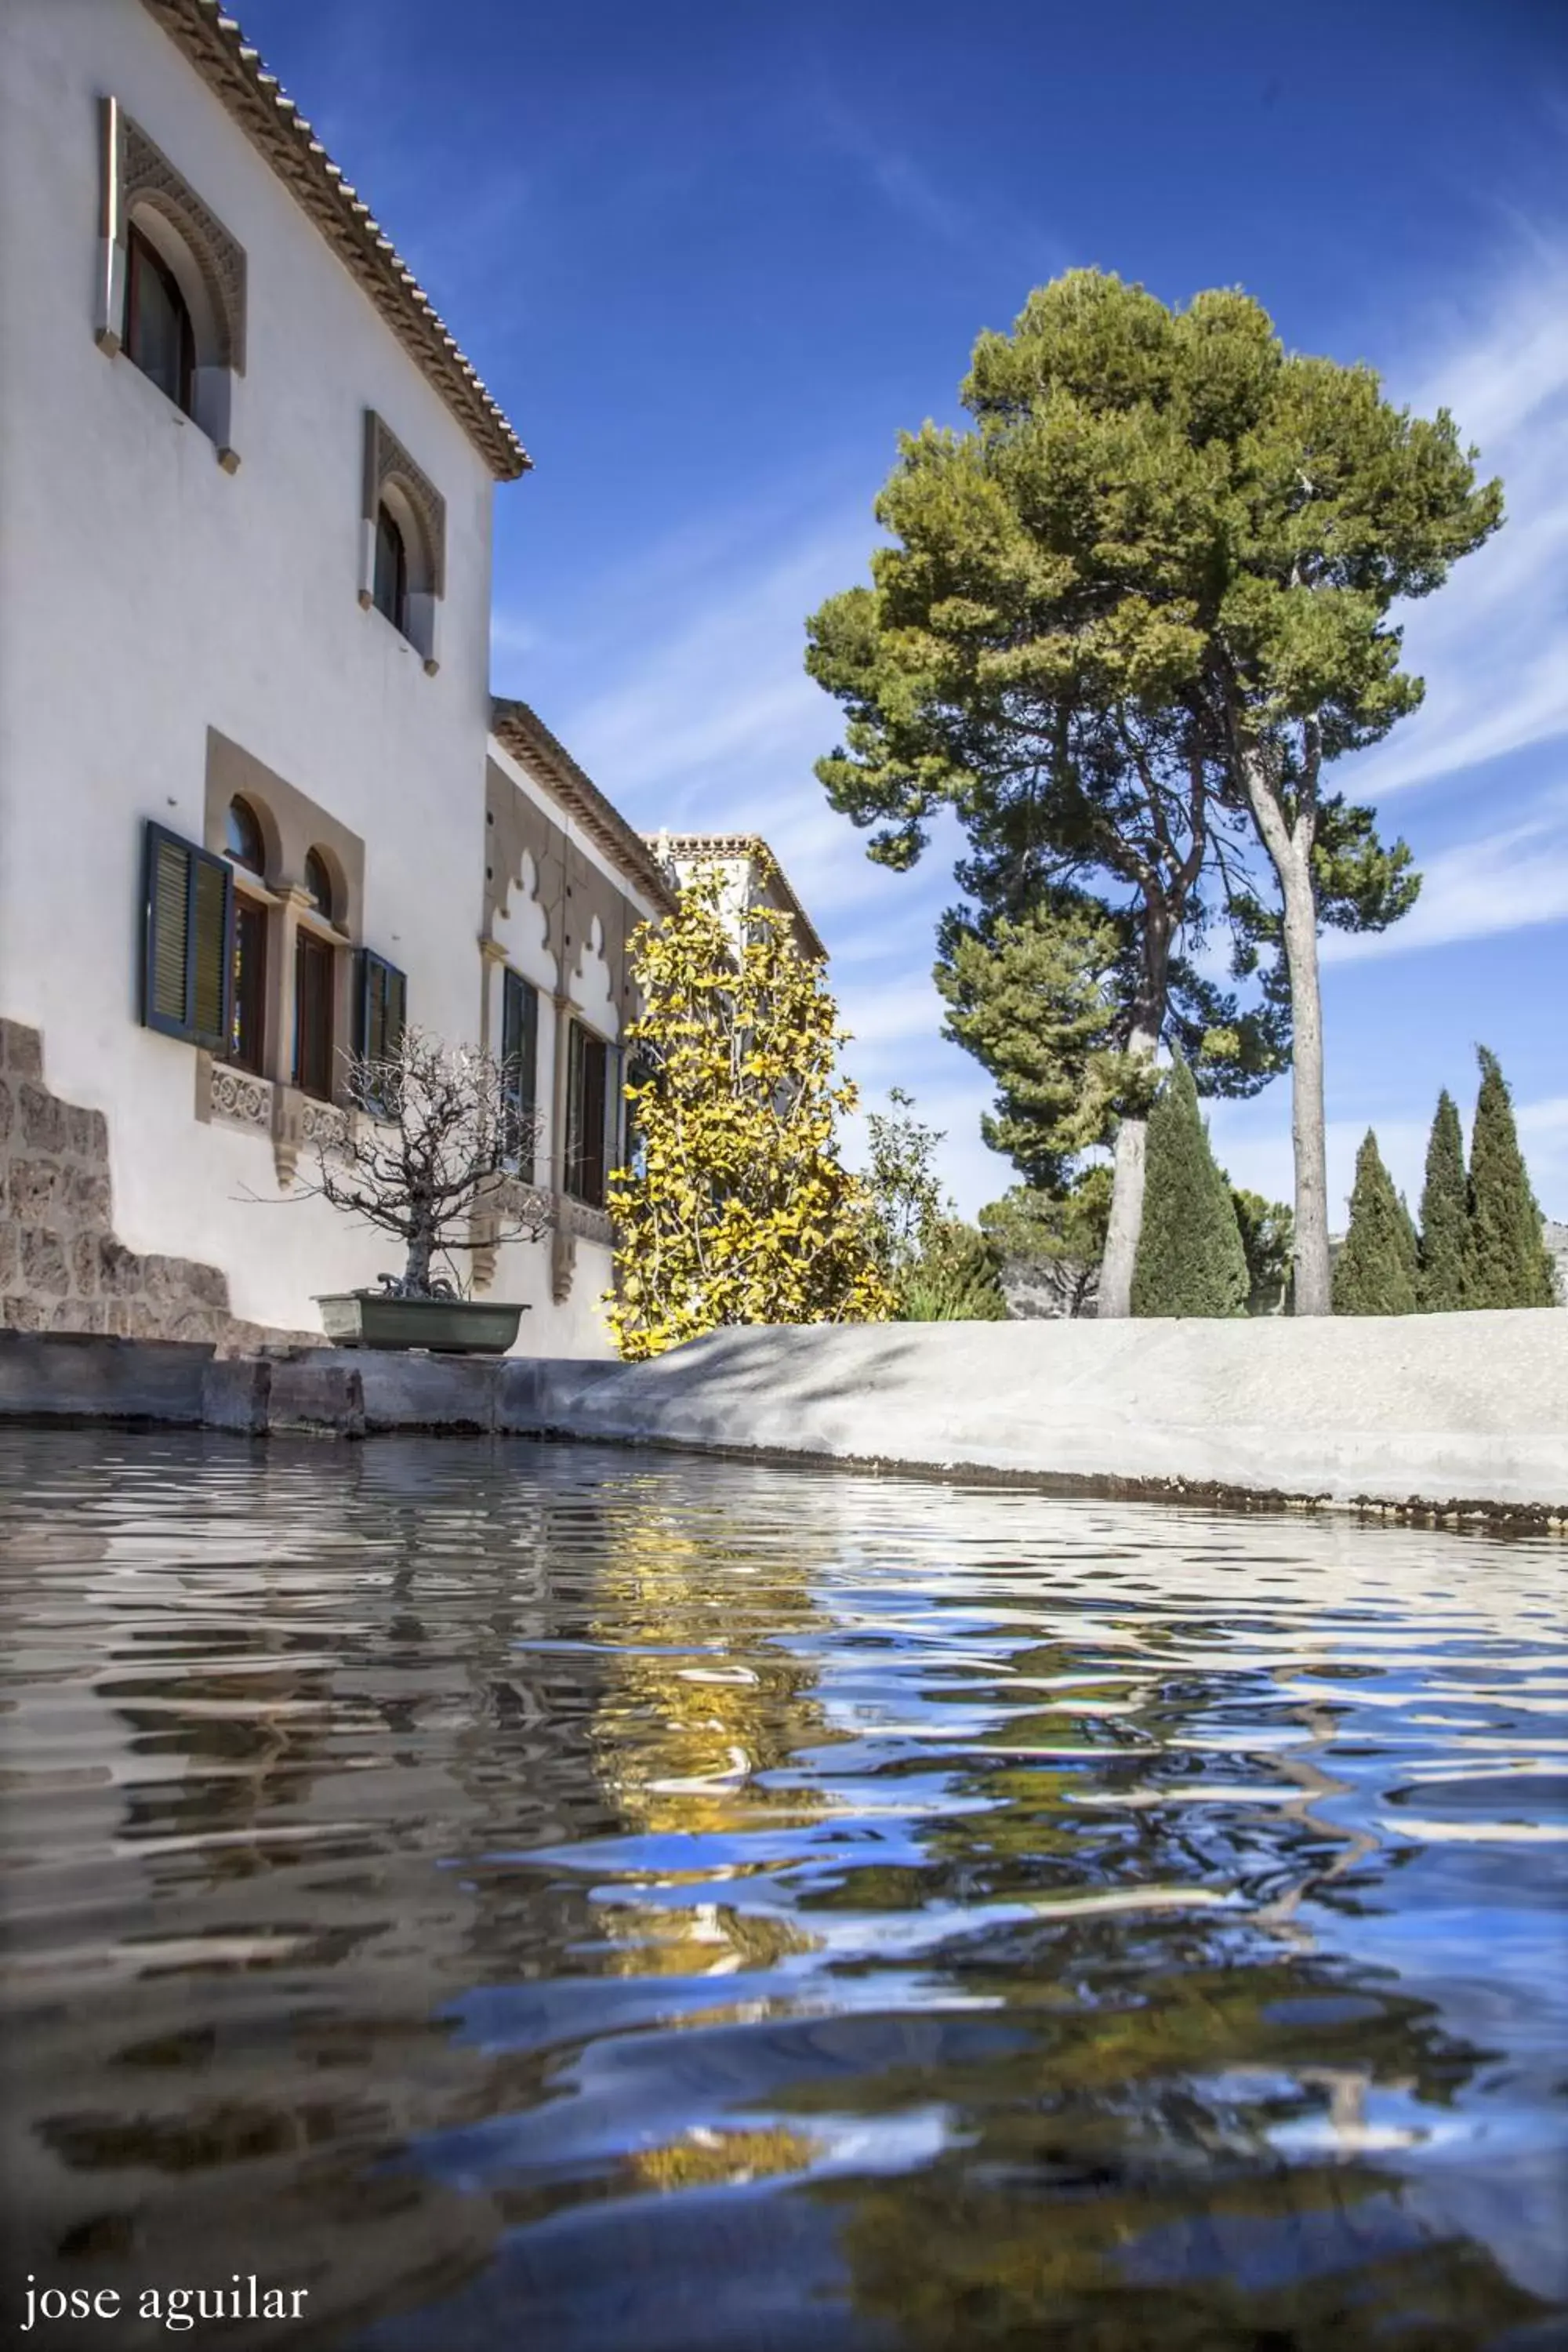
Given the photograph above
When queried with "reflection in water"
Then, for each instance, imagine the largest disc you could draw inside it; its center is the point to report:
(532, 1895)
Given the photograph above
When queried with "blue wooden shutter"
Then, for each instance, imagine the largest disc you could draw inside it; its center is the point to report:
(187, 918)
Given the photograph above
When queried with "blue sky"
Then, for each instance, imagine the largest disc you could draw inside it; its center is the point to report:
(712, 257)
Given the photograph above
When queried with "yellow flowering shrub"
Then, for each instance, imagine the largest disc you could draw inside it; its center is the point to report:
(735, 1209)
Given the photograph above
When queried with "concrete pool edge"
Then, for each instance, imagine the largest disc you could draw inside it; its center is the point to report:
(1450, 1418)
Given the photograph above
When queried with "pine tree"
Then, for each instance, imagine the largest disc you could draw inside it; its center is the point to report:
(1190, 1256)
(1445, 1215)
(1507, 1263)
(1375, 1272)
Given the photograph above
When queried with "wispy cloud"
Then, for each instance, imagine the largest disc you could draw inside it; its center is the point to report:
(1261, 1158)
(975, 227)
(1490, 645)
(1503, 882)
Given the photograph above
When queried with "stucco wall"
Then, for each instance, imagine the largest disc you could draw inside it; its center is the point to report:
(147, 596)
(1437, 1409)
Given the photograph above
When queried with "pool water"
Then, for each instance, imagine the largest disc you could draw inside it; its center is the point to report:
(520, 1896)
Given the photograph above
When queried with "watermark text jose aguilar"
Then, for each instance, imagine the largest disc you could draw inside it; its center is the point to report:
(176, 2307)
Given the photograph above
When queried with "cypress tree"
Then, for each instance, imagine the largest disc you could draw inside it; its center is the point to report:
(1508, 1264)
(1375, 1272)
(1445, 1215)
(1190, 1256)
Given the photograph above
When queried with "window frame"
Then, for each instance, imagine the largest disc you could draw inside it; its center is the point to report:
(187, 1026)
(378, 977)
(140, 254)
(396, 612)
(310, 941)
(249, 985)
(520, 1047)
(583, 1045)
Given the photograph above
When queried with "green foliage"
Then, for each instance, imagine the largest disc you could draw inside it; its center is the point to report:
(1267, 1231)
(904, 1192)
(1054, 1240)
(1508, 1264)
(1440, 1284)
(936, 1268)
(1124, 620)
(1376, 1270)
(1037, 1001)
(956, 1278)
(1154, 508)
(738, 1210)
(1190, 1259)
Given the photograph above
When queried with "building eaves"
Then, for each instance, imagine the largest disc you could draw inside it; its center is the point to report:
(234, 71)
(520, 730)
(697, 846)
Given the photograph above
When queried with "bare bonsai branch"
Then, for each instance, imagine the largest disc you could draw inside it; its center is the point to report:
(431, 1142)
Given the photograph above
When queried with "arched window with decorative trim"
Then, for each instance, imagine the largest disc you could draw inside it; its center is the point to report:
(172, 283)
(316, 981)
(245, 846)
(403, 565)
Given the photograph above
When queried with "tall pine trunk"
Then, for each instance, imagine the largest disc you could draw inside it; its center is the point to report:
(1290, 848)
(1114, 1297)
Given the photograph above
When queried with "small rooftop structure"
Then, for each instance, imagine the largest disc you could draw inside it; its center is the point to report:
(746, 859)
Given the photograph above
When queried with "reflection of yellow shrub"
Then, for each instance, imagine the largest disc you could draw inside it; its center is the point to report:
(706, 2159)
(737, 1209)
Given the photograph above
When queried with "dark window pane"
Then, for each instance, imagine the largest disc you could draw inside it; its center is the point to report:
(319, 883)
(248, 1018)
(313, 979)
(158, 334)
(243, 837)
(586, 1079)
(391, 571)
(519, 1066)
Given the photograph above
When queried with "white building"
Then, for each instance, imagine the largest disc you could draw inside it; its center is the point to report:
(254, 798)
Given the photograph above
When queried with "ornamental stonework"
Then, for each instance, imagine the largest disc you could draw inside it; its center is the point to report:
(388, 464)
(142, 174)
(240, 1099)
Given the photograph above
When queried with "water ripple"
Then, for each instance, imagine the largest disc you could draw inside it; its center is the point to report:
(543, 1896)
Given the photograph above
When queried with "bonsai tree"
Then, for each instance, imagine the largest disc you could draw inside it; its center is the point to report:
(428, 1152)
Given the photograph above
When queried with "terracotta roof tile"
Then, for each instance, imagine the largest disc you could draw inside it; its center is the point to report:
(233, 70)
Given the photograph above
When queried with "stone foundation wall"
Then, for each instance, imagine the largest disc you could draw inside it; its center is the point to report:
(62, 1267)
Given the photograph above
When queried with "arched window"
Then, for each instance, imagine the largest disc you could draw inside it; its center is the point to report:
(243, 838)
(159, 336)
(319, 883)
(391, 589)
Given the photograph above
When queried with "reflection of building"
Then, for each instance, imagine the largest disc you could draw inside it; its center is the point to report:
(258, 808)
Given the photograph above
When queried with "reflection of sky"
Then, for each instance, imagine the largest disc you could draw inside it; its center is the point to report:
(1355, 1767)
